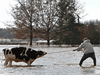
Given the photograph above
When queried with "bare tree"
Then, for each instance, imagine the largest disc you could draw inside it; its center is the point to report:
(47, 19)
(35, 18)
(25, 16)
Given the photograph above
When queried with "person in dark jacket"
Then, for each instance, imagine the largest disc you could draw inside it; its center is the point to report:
(88, 51)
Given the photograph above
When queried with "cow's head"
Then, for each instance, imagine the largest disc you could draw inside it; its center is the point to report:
(41, 53)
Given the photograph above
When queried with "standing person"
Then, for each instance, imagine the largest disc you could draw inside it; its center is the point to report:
(88, 51)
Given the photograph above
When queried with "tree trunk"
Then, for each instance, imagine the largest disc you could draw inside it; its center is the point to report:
(31, 31)
(31, 38)
(48, 42)
(31, 35)
(48, 39)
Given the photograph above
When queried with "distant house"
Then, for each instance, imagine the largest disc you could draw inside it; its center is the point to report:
(13, 41)
(5, 41)
(43, 42)
(16, 40)
(19, 41)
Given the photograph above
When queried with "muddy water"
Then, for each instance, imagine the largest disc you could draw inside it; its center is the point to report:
(63, 63)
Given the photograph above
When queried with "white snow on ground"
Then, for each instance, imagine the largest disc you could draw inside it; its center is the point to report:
(61, 61)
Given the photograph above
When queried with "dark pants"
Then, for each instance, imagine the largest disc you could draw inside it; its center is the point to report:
(85, 56)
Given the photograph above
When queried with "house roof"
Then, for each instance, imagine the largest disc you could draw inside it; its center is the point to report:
(43, 41)
(5, 40)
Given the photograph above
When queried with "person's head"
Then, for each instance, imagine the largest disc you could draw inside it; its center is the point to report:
(85, 38)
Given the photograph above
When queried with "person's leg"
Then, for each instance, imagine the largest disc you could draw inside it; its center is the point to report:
(94, 58)
(85, 56)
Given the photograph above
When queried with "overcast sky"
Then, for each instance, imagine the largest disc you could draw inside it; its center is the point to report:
(92, 9)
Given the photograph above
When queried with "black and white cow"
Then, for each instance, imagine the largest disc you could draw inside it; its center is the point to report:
(21, 54)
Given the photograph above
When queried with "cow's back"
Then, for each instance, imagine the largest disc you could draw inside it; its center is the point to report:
(18, 52)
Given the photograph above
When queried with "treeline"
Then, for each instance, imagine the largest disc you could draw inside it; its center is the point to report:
(47, 19)
(90, 29)
(6, 33)
(57, 20)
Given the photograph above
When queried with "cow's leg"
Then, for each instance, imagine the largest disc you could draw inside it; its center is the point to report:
(32, 60)
(29, 63)
(10, 63)
(6, 62)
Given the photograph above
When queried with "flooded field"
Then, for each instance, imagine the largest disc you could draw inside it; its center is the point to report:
(58, 61)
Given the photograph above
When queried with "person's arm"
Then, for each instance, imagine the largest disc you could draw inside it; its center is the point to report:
(79, 48)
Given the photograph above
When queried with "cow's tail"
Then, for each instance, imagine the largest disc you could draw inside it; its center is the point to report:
(4, 51)
(3, 54)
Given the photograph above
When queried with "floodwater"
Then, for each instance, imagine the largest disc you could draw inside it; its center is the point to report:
(58, 61)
